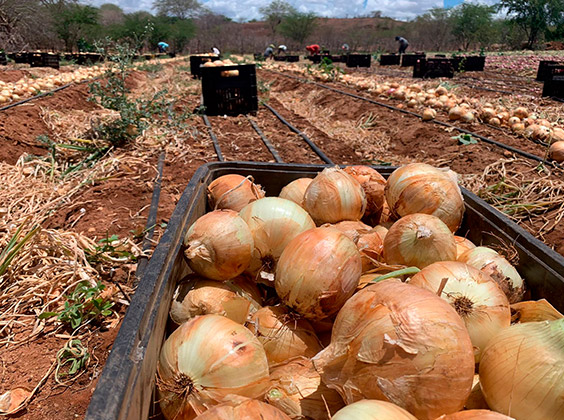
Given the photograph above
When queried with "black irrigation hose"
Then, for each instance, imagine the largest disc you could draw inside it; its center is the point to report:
(266, 142)
(214, 139)
(311, 144)
(444, 124)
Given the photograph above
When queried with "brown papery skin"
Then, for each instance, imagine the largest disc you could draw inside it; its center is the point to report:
(462, 245)
(556, 151)
(396, 342)
(295, 190)
(373, 184)
(246, 410)
(243, 192)
(475, 415)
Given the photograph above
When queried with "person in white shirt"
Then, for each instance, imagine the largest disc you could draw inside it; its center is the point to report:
(215, 50)
(282, 49)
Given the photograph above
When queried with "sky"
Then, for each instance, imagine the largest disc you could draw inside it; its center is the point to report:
(242, 10)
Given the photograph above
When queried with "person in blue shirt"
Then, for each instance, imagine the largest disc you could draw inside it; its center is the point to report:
(269, 52)
(403, 44)
(163, 46)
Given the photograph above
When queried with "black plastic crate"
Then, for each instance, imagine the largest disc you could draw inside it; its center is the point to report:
(554, 82)
(21, 57)
(409, 60)
(339, 58)
(199, 60)
(51, 60)
(280, 58)
(390, 60)
(35, 59)
(227, 94)
(3, 59)
(544, 69)
(292, 58)
(432, 68)
(359, 60)
(125, 388)
(473, 63)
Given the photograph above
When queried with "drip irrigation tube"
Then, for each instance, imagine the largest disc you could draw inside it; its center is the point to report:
(214, 139)
(266, 142)
(311, 144)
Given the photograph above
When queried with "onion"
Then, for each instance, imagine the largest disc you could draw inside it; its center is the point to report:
(333, 196)
(273, 223)
(373, 185)
(372, 410)
(455, 113)
(474, 295)
(283, 334)
(476, 400)
(556, 151)
(503, 273)
(521, 112)
(297, 390)
(419, 240)
(522, 371)
(295, 190)
(219, 245)
(462, 245)
(429, 114)
(495, 122)
(534, 311)
(557, 134)
(421, 188)
(242, 410)
(206, 360)
(400, 343)
(475, 415)
(236, 299)
(233, 192)
(317, 272)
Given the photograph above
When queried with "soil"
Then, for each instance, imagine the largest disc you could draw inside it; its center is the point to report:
(11, 76)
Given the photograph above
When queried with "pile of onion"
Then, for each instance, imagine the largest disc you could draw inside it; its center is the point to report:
(219, 245)
(334, 196)
(283, 334)
(421, 188)
(295, 190)
(317, 272)
(372, 410)
(474, 295)
(235, 299)
(522, 371)
(238, 409)
(206, 360)
(373, 185)
(403, 344)
(298, 391)
(233, 192)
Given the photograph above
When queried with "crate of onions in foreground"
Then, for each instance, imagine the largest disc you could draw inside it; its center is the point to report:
(302, 291)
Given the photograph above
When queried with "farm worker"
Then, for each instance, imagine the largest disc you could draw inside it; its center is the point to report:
(215, 50)
(282, 49)
(403, 44)
(162, 46)
(313, 49)
(269, 52)
(345, 47)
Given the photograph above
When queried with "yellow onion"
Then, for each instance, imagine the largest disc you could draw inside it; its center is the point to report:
(317, 272)
(522, 371)
(295, 190)
(298, 391)
(246, 409)
(499, 269)
(273, 223)
(283, 334)
(487, 114)
(476, 400)
(333, 196)
(419, 240)
(382, 231)
(206, 360)
(557, 134)
(495, 122)
(534, 311)
(372, 410)
(475, 415)
(517, 127)
(219, 245)
(456, 113)
(462, 245)
(474, 295)
(400, 343)
(429, 114)
(421, 188)
(556, 151)
(513, 120)
(373, 185)
(235, 299)
(521, 112)
(233, 192)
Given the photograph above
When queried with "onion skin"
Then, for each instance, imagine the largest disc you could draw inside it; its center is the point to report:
(372, 410)
(419, 240)
(522, 371)
(295, 190)
(317, 272)
(298, 391)
(373, 185)
(475, 415)
(246, 410)
(334, 196)
(462, 245)
(206, 360)
(422, 188)
(219, 245)
(400, 343)
(235, 299)
(498, 268)
(474, 295)
(233, 192)
(283, 335)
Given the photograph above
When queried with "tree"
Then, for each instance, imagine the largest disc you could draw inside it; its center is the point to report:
(111, 14)
(534, 16)
(74, 22)
(275, 12)
(182, 9)
(472, 23)
(135, 28)
(433, 28)
(298, 26)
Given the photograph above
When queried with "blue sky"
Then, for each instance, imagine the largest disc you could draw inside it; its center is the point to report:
(249, 9)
